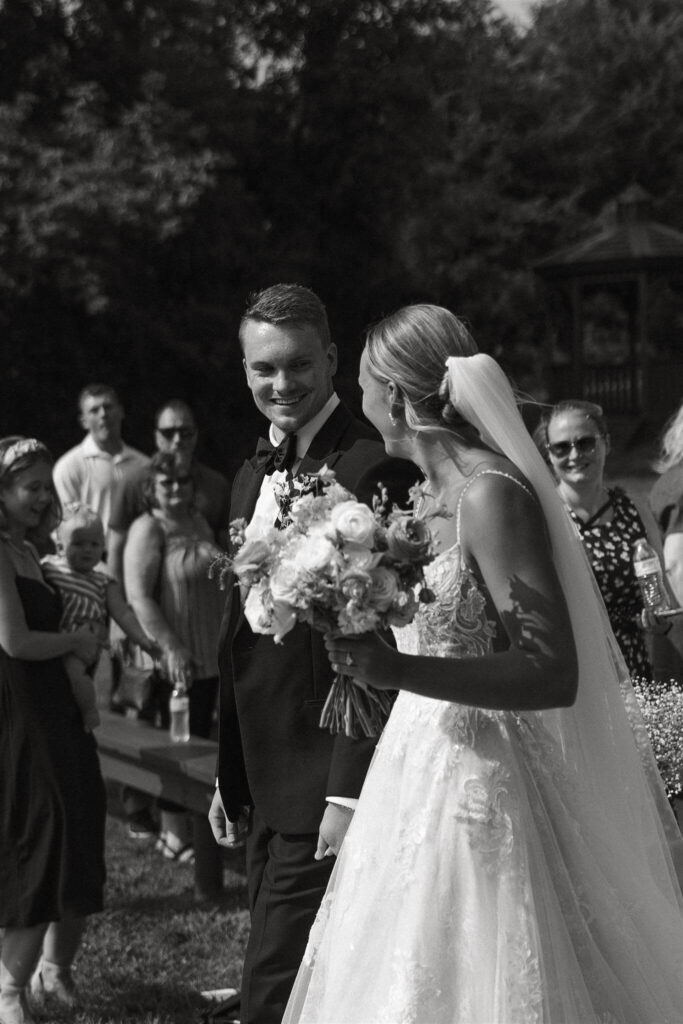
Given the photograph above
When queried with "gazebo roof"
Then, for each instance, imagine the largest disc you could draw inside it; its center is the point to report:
(632, 242)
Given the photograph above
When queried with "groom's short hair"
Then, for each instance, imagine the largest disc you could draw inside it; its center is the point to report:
(288, 304)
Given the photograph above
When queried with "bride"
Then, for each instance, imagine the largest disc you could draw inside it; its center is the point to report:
(511, 860)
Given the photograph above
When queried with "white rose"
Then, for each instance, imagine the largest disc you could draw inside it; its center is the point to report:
(361, 557)
(256, 612)
(284, 583)
(283, 620)
(316, 553)
(267, 616)
(251, 557)
(354, 521)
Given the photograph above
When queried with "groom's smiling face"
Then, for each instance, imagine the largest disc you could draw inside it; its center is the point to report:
(289, 371)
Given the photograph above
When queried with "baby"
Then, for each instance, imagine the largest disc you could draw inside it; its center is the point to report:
(89, 597)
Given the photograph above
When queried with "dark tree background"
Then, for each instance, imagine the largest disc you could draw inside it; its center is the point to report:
(160, 159)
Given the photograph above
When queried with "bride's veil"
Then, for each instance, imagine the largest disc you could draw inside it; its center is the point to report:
(623, 806)
(599, 840)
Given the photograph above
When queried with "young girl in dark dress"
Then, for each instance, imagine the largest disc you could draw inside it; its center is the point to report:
(52, 800)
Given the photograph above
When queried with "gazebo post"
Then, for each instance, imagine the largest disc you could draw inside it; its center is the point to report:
(577, 334)
(641, 339)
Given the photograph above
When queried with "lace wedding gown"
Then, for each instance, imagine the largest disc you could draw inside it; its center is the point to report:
(467, 891)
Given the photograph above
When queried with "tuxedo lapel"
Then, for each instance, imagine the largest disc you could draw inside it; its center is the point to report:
(245, 494)
(324, 448)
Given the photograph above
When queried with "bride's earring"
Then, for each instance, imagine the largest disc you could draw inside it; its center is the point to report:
(393, 419)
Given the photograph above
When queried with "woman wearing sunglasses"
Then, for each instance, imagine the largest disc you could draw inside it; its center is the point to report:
(166, 561)
(575, 442)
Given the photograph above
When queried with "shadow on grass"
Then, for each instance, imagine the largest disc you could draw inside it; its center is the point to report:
(155, 948)
(151, 1002)
(228, 902)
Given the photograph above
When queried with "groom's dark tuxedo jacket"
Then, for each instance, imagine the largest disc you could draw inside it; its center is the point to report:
(272, 752)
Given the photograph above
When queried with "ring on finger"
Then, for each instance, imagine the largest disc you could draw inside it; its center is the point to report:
(349, 659)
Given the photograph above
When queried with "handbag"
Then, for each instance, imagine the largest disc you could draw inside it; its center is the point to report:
(136, 692)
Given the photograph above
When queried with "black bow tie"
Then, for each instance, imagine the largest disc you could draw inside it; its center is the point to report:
(281, 458)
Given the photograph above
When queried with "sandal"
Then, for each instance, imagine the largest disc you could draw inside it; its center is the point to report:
(179, 854)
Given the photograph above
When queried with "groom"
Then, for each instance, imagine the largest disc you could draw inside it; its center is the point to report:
(281, 778)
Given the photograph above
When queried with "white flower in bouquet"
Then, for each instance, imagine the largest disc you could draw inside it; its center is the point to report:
(361, 556)
(265, 615)
(318, 554)
(286, 584)
(354, 522)
(339, 566)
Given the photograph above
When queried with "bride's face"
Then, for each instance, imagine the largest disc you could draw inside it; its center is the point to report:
(377, 408)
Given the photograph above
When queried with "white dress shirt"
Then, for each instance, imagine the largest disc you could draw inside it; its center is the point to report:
(267, 508)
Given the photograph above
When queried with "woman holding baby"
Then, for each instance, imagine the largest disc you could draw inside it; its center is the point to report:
(52, 799)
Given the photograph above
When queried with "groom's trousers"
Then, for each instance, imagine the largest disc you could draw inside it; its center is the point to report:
(286, 886)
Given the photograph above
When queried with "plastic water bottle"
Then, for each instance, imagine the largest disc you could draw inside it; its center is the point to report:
(179, 707)
(648, 570)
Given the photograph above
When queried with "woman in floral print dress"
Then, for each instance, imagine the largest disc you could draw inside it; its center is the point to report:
(576, 442)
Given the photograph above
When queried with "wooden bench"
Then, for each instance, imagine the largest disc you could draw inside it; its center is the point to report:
(136, 754)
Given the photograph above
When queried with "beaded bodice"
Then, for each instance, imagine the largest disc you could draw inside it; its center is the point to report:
(455, 624)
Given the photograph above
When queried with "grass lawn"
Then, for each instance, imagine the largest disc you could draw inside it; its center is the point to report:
(155, 948)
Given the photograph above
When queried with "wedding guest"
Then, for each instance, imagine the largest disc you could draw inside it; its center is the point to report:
(292, 784)
(91, 472)
(609, 520)
(89, 597)
(175, 432)
(511, 856)
(666, 500)
(166, 562)
(52, 800)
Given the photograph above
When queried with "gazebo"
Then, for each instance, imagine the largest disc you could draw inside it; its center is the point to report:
(603, 290)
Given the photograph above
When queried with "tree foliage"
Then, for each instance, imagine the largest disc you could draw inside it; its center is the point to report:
(159, 159)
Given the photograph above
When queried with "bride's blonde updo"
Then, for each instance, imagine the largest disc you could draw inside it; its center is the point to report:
(410, 348)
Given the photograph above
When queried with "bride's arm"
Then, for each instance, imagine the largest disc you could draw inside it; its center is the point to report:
(503, 533)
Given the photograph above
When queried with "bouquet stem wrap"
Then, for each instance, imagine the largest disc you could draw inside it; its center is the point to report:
(355, 710)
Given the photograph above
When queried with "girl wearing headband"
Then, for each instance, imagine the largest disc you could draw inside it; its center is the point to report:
(52, 801)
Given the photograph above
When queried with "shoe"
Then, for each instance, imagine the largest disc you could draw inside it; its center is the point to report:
(141, 825)
(180, 854)
(14, 1009)
(51, 982)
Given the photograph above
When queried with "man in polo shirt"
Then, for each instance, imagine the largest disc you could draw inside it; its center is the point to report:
(91, 472)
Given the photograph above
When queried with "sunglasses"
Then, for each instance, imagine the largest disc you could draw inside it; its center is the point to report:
(582, 445)
(168, 482)
(184, 433)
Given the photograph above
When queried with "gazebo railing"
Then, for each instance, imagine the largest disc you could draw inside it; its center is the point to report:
(618, 389)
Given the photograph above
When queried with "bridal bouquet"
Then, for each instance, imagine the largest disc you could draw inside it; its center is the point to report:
(661, 705)
(338, 565)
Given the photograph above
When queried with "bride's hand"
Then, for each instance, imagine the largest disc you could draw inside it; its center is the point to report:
(366, 659)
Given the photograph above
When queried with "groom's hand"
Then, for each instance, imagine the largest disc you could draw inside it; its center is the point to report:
(225, 832)
(333, 827)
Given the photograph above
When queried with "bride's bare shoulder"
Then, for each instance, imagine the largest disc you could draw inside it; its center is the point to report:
(495, 478)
